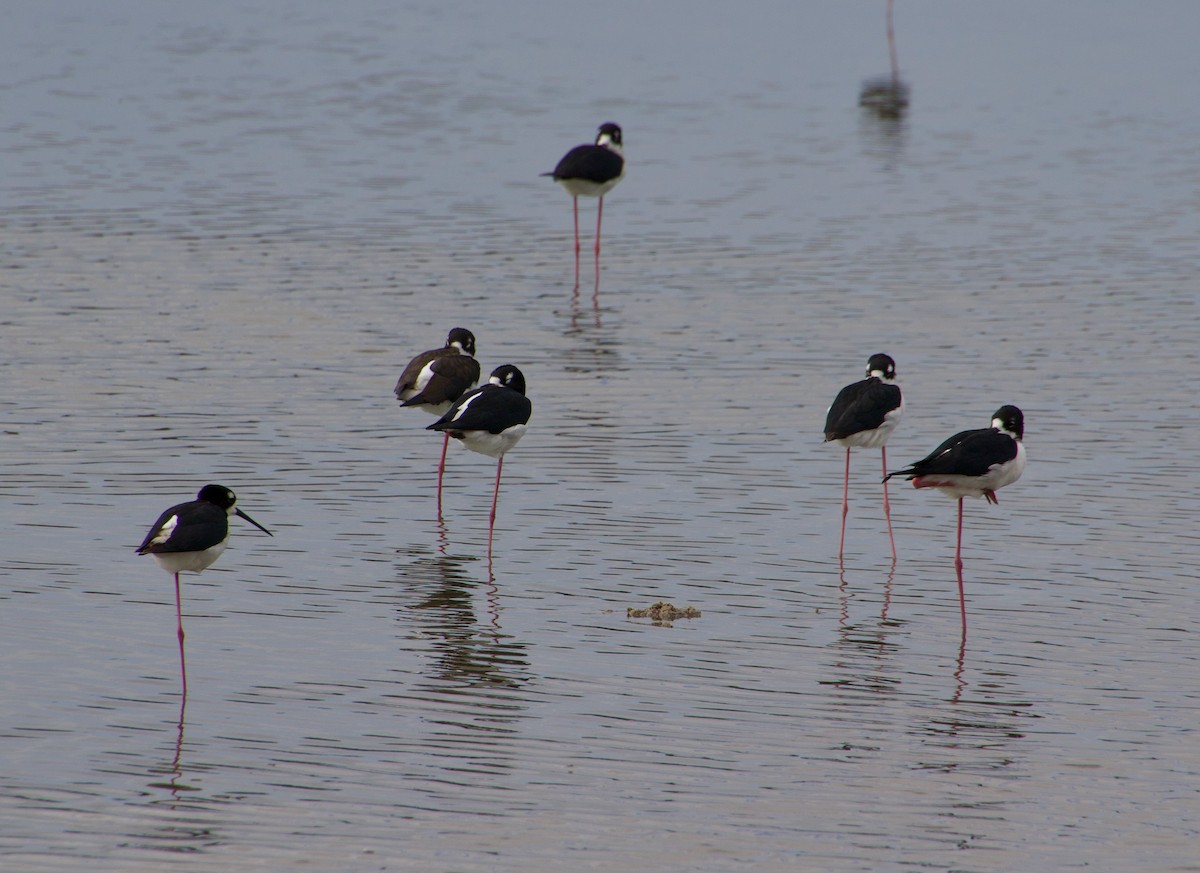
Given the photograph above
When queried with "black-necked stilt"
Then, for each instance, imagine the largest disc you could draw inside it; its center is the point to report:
(591, 170)
(973, 463)
(490, 420)
(433, 380)
(864, 414)
(189, 537)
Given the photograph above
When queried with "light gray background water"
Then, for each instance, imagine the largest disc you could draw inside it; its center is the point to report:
(226, 228)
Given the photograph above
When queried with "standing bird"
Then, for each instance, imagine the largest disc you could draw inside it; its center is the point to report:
(864, 414)
(592, 171)
(974, 463)
(490, 420)
(433, 380)
(190, 537)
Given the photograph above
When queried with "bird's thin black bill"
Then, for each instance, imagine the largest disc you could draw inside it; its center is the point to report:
(241, 514)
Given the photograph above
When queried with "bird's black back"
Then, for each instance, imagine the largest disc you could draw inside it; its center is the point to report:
(491, 408)
(969, 453)
(453, 374)
(591, 162)
(860, 406)
(201, 526)
(459, 367)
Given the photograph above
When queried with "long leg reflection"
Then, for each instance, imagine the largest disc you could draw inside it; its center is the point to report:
(577, 308)
(845, 595)
(865, 648)
(960, 682)
(461, 616)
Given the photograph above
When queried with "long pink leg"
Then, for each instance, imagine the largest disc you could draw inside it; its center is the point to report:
(891, 34)
(495, 499)
(442, 470)
(958, 567)
(179, 620)
(575, 209)
(887, 510)
(599, 217)
(845, 503)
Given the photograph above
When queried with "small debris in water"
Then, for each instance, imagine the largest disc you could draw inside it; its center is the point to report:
(663, 612)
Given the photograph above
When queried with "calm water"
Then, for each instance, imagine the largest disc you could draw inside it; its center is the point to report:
(226, 230)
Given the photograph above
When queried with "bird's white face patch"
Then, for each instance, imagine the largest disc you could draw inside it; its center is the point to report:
(164, 532)
(606, 140)
(886, 375)
(999, 425)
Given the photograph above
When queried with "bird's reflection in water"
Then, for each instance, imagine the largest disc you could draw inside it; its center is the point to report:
(960, 667)
(577, 314)
(865, 647)
(188, 826)
(845, 596)
(174, 771)
(977, 731)
(462, 618)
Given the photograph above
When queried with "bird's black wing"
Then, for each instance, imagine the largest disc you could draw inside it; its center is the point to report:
(969, 453)
(491, 408)
(410, 374)
(591, 162)
(452, 375)
(860, 406)
(198, 526)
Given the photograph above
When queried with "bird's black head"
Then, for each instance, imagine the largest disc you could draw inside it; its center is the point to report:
(462, 338)
(508, 376)
(881, 365)
(609, 134)
(1010, 420)
(217, 495)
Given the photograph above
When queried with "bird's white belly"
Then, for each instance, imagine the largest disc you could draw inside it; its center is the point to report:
(876, 438)
(869, 439)
(438, 409)
(188, 562)
(993, 480)
(494, 445)
(588, 188)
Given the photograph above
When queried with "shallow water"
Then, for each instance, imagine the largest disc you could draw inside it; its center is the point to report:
(226, 230)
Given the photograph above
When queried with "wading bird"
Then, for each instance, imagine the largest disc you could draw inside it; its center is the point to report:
(490, 420)
(591, 170)
(973, 463)
(864, 414)
(433, 380)
(189, 537)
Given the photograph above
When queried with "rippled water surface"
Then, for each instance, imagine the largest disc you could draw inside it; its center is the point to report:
(226, 229)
